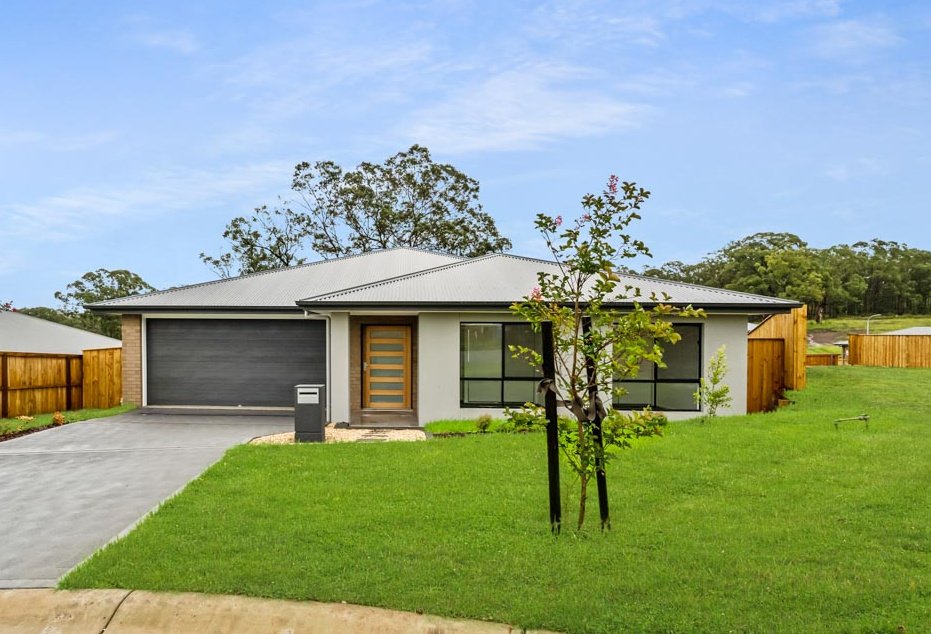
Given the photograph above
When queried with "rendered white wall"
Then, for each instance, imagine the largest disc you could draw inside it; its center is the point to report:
(339, 368)
(438, 360)
(731, 332)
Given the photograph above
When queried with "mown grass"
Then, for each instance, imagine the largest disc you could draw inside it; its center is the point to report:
(878, 325)
(824, 349)
(763, 523)
(461, 426)
(10, 426)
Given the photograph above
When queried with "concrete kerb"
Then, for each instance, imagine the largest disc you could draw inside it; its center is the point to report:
(140, 612)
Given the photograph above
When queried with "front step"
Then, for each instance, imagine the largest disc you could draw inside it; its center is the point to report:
(387, 419)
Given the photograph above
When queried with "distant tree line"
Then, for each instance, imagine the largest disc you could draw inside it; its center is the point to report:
(92, 287)
(858, 279)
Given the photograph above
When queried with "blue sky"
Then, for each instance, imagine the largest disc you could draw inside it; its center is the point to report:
(130, 133)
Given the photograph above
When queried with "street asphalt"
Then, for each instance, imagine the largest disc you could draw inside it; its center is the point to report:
(67, 491)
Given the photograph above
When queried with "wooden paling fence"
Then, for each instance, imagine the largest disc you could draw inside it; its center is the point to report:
(40, 383)
(777, 352)
(823, 358)
(103, 378)
(765, 373)
(890, 351)
(793, 329)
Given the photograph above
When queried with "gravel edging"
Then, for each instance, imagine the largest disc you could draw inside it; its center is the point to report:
(343, 434)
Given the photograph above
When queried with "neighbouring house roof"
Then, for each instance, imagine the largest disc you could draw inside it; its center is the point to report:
(279, 288)
(25, 333)
(411, 278)
(914, 330)
(499, 280)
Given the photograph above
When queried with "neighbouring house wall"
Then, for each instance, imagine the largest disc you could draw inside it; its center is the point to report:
(131, 328)
(439, 362)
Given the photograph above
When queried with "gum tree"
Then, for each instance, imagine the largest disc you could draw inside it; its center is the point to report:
(594, 342)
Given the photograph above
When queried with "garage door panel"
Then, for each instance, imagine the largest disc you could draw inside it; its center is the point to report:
(232, 361)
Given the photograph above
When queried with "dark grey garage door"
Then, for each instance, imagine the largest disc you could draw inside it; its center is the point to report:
(249, 362)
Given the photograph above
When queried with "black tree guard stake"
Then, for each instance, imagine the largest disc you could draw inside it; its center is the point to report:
(548, 386)
(595, 402)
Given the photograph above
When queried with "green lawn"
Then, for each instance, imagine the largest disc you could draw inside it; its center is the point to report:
(766, 523)
(457, 426)
(824, 349)
(14, 425)
(878, 325)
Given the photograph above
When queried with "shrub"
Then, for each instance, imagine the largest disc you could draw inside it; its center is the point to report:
(712, 393)
(58, 419)
(529, 418)
(483, 423)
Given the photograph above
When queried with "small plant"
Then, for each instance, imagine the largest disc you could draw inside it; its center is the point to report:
(529, 418)
(26, 419)
(483, 423)
(712, 391)
(58, 419)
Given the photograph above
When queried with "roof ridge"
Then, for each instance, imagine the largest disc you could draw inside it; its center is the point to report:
(397, 278)
(118, 300)
(726, 291)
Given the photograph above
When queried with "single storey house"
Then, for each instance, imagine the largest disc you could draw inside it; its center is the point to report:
(24, 333)
(399, 335)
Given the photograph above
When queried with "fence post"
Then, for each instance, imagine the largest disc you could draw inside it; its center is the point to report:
(4, 386)
(67, 383)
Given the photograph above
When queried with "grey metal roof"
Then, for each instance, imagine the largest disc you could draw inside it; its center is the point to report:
(25, 333)
(278, 289)
(914, 330)
(499, 280)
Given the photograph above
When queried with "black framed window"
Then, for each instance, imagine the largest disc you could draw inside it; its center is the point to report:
(490, 376)
(670, 388)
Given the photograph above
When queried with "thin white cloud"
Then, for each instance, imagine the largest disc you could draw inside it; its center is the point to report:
(73, 214)
(295, 79)
(175, 40)
(739, 90)
(55, 142)
(591, 23)
(856, 168)
(518, 109)
(853, 39)
(793, 9)
(15, 138)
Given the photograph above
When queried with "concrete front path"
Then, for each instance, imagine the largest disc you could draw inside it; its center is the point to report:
(67, 491)
(138, 612)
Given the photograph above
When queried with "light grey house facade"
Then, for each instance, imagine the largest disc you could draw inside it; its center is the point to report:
(400, 335)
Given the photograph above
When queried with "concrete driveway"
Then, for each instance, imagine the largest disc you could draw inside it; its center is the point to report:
(67, 491)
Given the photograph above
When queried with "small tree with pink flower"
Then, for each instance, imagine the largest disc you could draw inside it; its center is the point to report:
(595, 341)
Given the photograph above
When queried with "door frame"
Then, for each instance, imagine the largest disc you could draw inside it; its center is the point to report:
(407, 377)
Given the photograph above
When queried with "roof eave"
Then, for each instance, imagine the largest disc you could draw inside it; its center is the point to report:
(134, 310)
(753, 308)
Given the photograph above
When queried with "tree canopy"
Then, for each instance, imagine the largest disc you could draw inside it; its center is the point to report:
(407, 201)
(877, 276)
(92, 287)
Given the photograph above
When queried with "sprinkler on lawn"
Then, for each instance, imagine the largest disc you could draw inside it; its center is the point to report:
(864, 417)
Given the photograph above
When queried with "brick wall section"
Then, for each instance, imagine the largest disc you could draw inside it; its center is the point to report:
(355, 359)
(132, 359)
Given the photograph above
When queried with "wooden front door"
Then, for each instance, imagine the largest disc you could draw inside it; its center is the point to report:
(386, 367)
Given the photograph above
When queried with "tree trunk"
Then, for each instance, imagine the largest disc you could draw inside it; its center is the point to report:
(583, 497)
